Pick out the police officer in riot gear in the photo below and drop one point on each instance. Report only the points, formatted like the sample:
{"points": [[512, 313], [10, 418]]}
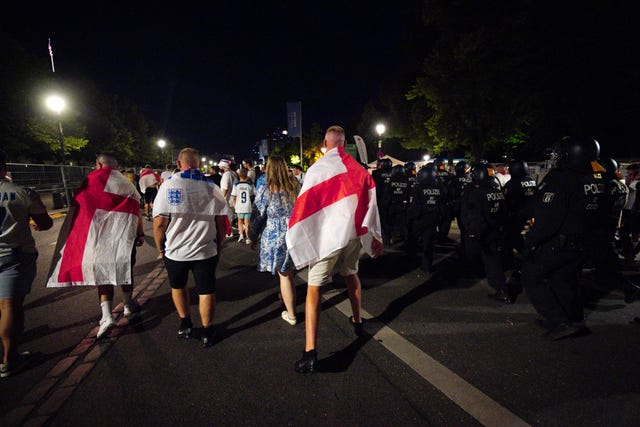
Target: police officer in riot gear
{"points": [[444, 177], [394, 202], [423, 216], [568, 207], [481, 212], [603, 255], [457, 184], [382, 177], [519, 194], [411, 173]]}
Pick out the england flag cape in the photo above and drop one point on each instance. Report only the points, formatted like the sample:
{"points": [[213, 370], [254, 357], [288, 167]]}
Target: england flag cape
{"points": [[337, 203], [98, 235]]}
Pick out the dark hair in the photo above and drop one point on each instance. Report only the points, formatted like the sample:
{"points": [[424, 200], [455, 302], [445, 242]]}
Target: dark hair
{"points": [[297, 167]]}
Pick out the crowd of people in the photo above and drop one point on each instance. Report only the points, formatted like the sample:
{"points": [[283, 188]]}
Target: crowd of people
{"points": [[520, 233]]}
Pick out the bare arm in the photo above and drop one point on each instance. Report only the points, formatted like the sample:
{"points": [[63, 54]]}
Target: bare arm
{"points": [[159, 228], [221, 231]]}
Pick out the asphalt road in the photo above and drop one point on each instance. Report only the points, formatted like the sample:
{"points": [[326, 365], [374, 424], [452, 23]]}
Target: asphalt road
{"points": [[438, 352]]}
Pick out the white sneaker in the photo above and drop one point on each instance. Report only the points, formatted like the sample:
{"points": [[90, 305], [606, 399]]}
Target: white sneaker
{"points": [[289, 320], [248, 242], [105, 326], [240, 239], [130, 310]]}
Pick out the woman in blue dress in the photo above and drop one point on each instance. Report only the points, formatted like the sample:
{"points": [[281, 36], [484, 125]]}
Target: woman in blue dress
{"points": [[275, 200]]}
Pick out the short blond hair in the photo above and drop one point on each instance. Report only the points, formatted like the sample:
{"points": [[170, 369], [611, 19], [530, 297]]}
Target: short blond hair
{"points": [[189, 157]]}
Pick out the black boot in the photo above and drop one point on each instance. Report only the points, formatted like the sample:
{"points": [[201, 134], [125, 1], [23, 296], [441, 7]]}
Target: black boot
{"points": [[308, 364]]}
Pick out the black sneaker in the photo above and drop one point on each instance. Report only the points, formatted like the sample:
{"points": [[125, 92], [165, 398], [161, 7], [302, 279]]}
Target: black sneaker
{"points": [[16, 365], [308, 364], [207, 336], [184, 332], [357, 327]]}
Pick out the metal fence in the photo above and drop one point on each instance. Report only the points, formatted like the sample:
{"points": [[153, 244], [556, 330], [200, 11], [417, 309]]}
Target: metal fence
{"points": [[53, 182]]}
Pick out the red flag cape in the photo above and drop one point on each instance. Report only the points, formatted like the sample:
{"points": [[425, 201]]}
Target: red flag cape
{"points": [[101, 233], [337, 203]]}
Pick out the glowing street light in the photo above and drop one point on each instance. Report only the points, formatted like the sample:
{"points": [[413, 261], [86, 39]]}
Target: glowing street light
{"points": [[426, 157], [161, 144], [56, 103]]}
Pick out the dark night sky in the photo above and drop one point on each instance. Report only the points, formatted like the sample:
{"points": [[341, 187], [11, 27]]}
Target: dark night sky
{"points": [[219, 76]]}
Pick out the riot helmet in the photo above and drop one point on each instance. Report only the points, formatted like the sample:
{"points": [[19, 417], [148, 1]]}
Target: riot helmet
{"points": [[439, 163], [611, 167], [480, 172], [579, 151], [461, 168], [409, 168], [384, 165], [518, 168], [397, 171], [427, 175]]}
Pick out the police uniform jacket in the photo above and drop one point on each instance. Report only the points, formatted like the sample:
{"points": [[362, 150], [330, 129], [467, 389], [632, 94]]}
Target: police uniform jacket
{"points": [[482, 211], [425, 210], [568, 208], [396, 192], [381, 179], [519, 199]]}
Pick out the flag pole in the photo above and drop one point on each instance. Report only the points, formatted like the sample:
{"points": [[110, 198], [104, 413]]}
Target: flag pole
{"points": [[53, 68]]}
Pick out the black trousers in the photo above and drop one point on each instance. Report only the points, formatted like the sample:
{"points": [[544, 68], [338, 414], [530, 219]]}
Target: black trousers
{"points": [[488, 251], [551, 280]]}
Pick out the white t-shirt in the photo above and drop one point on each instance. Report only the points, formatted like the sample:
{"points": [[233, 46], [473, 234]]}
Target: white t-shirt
{"points": [[226, 182], [147, 181], [243, 192], [192, 201], [252, 175], [165, 175]]}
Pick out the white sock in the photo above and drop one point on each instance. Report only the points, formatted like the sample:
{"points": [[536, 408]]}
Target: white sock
{"points": [[126, 298], [106, 309]]}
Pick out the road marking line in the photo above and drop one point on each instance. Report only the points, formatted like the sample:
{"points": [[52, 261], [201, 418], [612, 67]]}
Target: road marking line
{"points": [[477, 404]]}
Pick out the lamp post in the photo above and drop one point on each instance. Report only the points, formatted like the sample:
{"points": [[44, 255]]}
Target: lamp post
{"points": [[162, 143], [57, 104], [380, 128]]}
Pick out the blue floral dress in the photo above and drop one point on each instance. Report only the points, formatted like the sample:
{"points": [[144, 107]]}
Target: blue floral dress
{"points": [[274, 256]]}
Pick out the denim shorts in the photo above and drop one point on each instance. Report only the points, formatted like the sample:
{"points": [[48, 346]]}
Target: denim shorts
{"points": [[17, 272]]}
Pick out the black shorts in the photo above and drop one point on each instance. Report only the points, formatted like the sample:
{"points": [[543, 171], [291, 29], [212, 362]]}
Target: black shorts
{"points": [[204, 274], [150, 194]]}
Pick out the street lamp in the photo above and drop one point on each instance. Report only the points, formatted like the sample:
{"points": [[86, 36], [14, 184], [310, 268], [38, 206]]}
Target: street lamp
{"points": [[57, 104], [162, 143], [380, 128]]}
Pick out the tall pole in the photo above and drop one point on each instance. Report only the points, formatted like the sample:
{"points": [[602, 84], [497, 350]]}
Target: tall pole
{"points": [[63, 167], [61, 136]]}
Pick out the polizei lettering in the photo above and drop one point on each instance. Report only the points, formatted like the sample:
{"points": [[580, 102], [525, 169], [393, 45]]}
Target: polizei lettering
{"points": [[495, 196], [593, 189], [431, 191]]}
